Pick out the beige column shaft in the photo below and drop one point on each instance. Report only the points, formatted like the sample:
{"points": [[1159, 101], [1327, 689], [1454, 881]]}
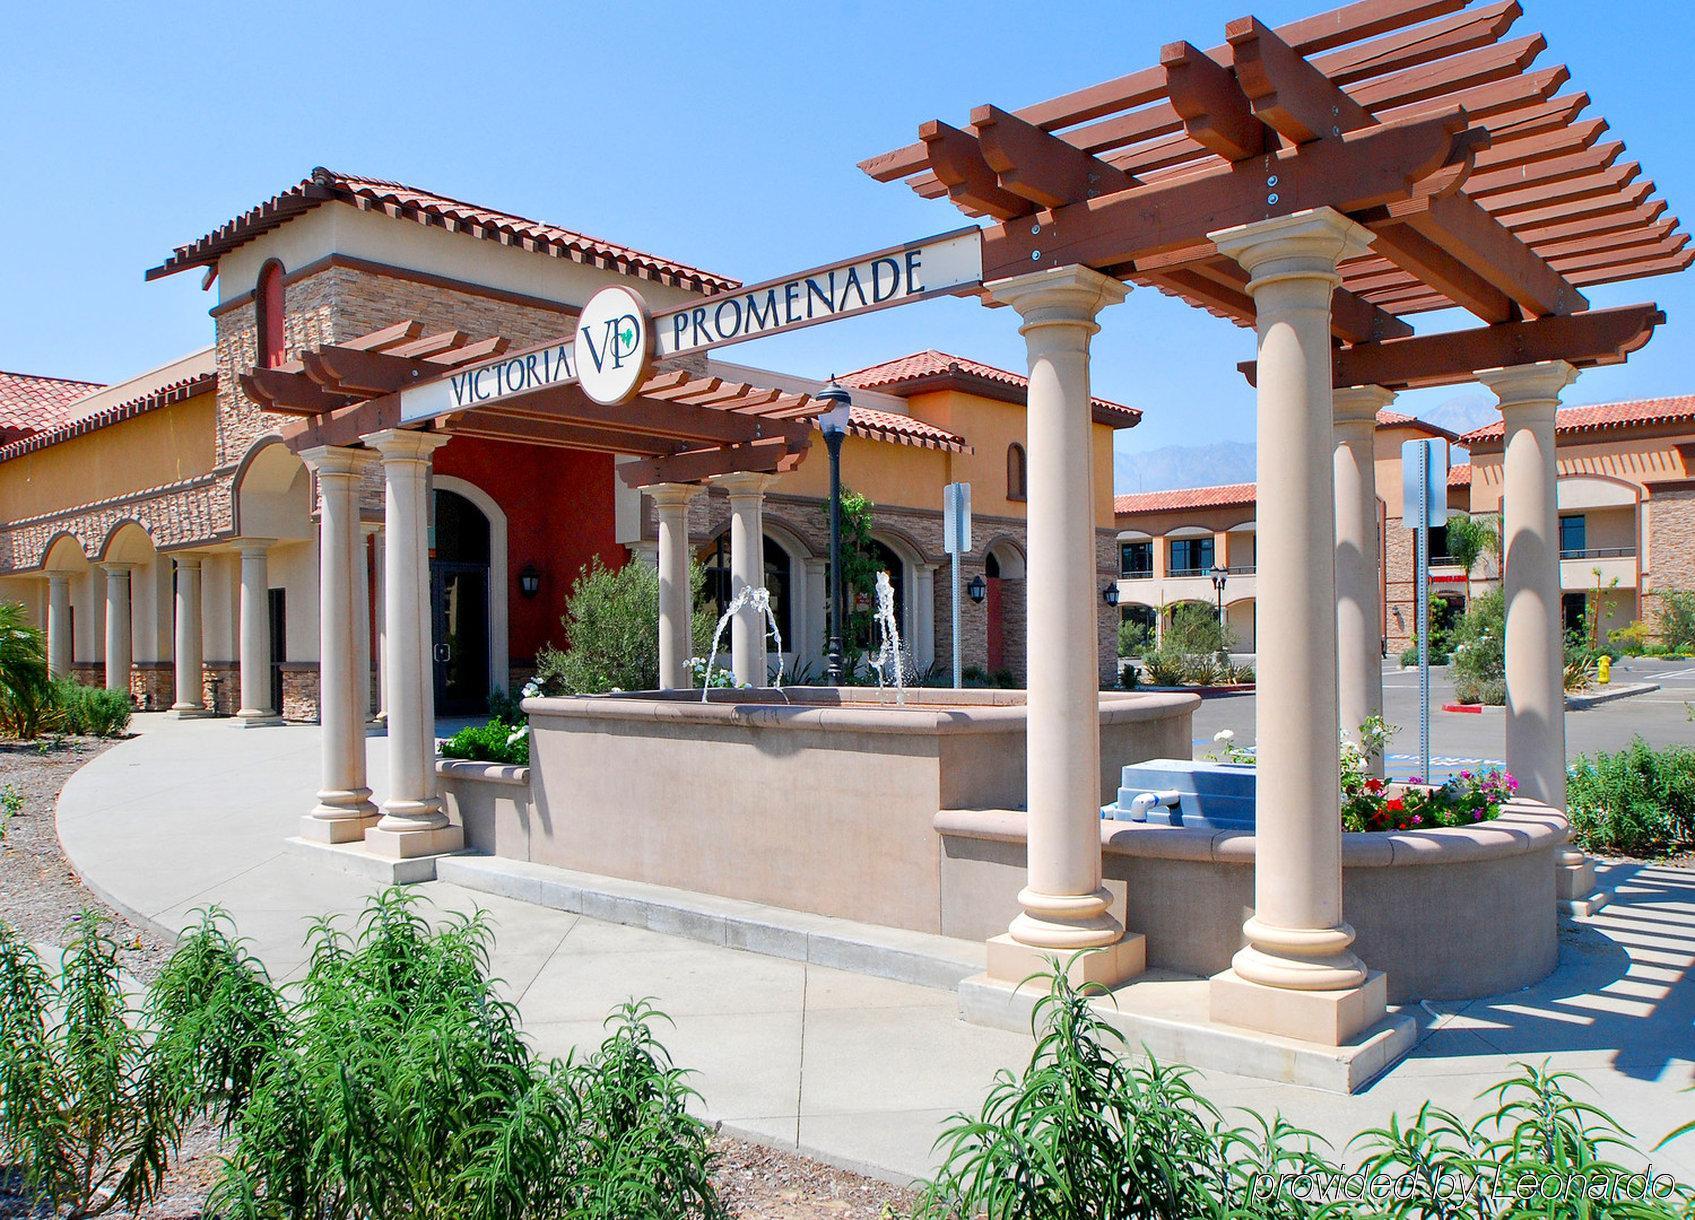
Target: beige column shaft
{"points": [[119, 630], [1297, 937], [363, 649], [747, 571], [1065, 907], [186, 645], [413, 818], [61, 653], [379, 560], [255, 633], [1535, 721], [676, 644], [344, 810], [1359, 591]]}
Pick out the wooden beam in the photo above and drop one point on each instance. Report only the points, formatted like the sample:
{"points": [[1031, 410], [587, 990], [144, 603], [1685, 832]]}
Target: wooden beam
{"points": [[1625, 256], [363, 374], [348, 426], [1510, 146], [1039, 167], [1534, 173], [1438, 268], [1216, 113], [958, 162], [1439, 80], [1464, 31], [1289, 94], [482, 349], [288, 393], [1626, 200], [1632, 218], [429, 345], [1635, 271], [1361, 170], [1221, 284], [387, 337], [764, 456], [1602, 336], [1585, 186]]}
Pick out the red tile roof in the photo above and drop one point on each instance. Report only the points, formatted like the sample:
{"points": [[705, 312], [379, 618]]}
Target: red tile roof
{"points": [[1647, 412], [1395, 419], [1221, 496], [903, 430], [428, 208], [163, 396], [1460, 476], [931, 370], [32, 404]]}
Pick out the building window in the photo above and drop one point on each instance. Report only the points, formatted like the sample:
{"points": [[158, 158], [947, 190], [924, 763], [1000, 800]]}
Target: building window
{"points": [[1439, 546], [1136, 560], [268, 305], [1017, 475], [1191, 556], [1574, 537]]}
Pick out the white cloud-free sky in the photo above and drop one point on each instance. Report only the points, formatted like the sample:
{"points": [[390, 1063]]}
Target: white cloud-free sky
{"points": [[724, 136]]}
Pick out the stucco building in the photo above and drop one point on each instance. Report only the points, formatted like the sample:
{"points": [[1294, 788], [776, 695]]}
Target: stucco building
{"points": [[168, 540]]}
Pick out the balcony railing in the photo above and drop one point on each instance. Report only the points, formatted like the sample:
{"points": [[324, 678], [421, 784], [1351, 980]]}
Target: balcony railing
{"points": [[1141, 574], [1600, 552], [1246, 569]]}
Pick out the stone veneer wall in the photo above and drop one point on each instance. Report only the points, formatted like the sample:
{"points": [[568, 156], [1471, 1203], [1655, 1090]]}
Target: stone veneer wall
{"points": [[227, 699], [1671, 545], [299, 690], [89, 673], [152, 685]]}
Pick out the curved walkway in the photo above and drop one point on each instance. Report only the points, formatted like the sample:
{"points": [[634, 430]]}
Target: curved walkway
{"points": [[856, 1070]]}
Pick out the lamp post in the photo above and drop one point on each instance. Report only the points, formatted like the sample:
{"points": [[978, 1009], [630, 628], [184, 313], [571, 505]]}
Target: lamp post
{"points": [[1219, 577], [834, 424]]}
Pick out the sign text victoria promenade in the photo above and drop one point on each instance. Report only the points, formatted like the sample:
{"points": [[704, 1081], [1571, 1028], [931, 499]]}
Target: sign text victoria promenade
{"points": [[617, 341]]}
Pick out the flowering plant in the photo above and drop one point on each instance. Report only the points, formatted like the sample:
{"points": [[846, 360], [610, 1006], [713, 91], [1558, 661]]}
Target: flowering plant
{"points": [[1464, 800]]}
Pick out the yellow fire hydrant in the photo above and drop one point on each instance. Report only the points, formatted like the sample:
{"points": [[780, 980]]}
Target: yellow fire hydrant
{"points": [[1604, 669]]}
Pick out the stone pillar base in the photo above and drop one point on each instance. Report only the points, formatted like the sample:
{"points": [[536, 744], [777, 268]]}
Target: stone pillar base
{"points": [[1330, 1018], [187, 713], [247, 720], [1575, 892], [315, 829], [1012, 961], [410, 844]]}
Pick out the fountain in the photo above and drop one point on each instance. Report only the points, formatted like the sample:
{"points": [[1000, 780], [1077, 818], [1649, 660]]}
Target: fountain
{"points": [[759, 598], [889, 650]]}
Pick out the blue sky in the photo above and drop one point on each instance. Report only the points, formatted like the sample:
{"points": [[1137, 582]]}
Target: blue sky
{"points": [[729, 142]]}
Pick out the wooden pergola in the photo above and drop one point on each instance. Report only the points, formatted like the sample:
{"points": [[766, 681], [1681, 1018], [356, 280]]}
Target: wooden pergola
{"points": [[683, 427], [1429, 122]]}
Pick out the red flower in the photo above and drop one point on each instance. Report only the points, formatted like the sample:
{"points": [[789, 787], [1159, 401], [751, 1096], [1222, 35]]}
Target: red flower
{"points": [[1374, 785], [1396, 805]]}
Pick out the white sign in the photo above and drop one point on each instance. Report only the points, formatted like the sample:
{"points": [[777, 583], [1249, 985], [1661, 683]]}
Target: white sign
{"points": [[1435, 493], [956, 519], [613, 347], [617, 341]]}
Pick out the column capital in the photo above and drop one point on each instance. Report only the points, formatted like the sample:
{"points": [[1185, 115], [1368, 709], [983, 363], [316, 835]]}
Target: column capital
{"points": [[187, 563], [1059, 295], [335, 459], [57, 579], [406, 445], [115, 568], [743, 484], [254, 547], [1300, 245], [1529, 384], [673, 495], [1361, 403]]}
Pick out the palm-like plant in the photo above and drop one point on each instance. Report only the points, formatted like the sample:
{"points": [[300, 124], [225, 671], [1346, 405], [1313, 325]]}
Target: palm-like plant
{"points": [[23, 672], [1469, 539]]}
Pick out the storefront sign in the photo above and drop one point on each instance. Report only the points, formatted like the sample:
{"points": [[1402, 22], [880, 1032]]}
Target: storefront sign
{"points": [[617, 341]]}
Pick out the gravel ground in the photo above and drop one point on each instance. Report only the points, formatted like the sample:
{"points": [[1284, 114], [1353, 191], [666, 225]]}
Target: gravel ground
{"points": [[40, 894]]}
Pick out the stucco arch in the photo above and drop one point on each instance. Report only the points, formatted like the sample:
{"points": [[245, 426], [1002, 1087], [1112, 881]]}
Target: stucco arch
{"points": [[1009, 555], [1579, 491], [128, 541], [499, 575], [273, 493], [64, 552], [1190, 531]]}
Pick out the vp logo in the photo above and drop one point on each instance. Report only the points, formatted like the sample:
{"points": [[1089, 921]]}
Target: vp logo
{"points": [[613, 346]]}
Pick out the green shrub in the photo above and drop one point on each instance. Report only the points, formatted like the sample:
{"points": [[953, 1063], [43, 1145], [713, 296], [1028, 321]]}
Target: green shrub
{"points": [[1637, 802], [494, 742], [1634, 640], [1134, 639], [612, 631], [506, 708], [1479, 655], [1676, 620], [88, 711]]}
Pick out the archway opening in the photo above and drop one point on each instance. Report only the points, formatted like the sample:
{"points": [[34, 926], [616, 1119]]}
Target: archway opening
{"points": [[459, 604]]}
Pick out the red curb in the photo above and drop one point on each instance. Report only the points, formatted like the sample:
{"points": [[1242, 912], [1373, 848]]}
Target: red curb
{"points": [[1475, 709]]}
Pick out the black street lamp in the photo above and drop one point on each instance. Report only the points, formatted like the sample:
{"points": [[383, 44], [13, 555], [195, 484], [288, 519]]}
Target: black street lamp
{"points": [[834, 424], [1219, 577]]}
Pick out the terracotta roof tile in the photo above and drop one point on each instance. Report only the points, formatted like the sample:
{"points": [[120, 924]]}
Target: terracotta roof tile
{"points": [[1222, 495], [910, 372], [1644, 412], [33, 404], [903, 430], [163, 396], [426, 207], [1460, 476], [1397, 419]]}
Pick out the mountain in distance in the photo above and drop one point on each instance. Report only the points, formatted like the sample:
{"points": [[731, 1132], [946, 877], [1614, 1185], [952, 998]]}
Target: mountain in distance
{"points": [[1463, 412], [1172, 466]]}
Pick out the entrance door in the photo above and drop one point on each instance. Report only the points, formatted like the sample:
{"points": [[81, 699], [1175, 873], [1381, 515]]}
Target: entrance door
{"points": [[277, 604], [459, 600]]}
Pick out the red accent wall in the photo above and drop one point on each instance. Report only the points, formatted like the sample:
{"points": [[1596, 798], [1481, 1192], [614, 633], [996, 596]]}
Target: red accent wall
{"points": [[559, 517]]}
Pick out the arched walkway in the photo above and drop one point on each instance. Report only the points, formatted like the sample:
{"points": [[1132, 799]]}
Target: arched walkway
{"points": [[497, 580]]}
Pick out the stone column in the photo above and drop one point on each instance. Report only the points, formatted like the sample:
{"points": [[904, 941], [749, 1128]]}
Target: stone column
{"points": [[1297, 976], [1529, 397], [379, 560], [1065, 906], [414, 821], [364, 587], [344, 810], [187, 649], [747, 571], [1359, 591], [676, 611], [61, 653], [119, 630], [256, 706]]}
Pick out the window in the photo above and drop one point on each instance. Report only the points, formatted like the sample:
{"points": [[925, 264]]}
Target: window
{"points": [[779, 580], [1017, 479], [1136, 560], [1438, 544], [777, 584], [1574, 537], [268, 306], [1191, 556]]}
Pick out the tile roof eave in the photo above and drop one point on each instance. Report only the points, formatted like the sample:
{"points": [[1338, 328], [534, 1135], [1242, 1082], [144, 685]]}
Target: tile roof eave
{"points": [[164, 396]]}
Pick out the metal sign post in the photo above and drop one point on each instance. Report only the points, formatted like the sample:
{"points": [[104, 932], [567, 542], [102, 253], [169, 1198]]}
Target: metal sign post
{"points": [[1424, 504], [956, 540]]}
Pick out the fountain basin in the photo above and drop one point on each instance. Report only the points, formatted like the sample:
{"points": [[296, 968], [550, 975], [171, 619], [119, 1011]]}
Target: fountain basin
{"points": [[815, 799]]}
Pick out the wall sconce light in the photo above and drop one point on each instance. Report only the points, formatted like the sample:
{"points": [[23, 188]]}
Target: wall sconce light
{"points": [[978, 589], [529, 580], [1110, 594]]}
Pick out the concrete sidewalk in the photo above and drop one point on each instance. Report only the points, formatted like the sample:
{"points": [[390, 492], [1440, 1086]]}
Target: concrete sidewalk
{"points": [[856, 1070]]}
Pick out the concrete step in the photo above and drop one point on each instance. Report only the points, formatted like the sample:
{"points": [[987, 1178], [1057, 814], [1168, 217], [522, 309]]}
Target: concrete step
{"points": [[925, 960]]}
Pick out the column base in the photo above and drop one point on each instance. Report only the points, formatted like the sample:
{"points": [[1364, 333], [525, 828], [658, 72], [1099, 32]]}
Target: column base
{"points": [[1575, 892], [1330, 1018], [255, 720], [188, 713], [410, 844], [341, 829], [1013, 961]]}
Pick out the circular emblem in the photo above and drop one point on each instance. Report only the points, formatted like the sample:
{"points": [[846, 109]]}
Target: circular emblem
{"points": [[613, 349]]}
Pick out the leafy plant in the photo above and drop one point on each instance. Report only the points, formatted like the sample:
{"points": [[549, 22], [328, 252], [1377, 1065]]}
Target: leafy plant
{"points": [[494, 742], [1676, 619], [89, 711], [1480, 656], [1134, 638], [24, 688], [612, 627], [1639, 801], [1468, 540]]}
